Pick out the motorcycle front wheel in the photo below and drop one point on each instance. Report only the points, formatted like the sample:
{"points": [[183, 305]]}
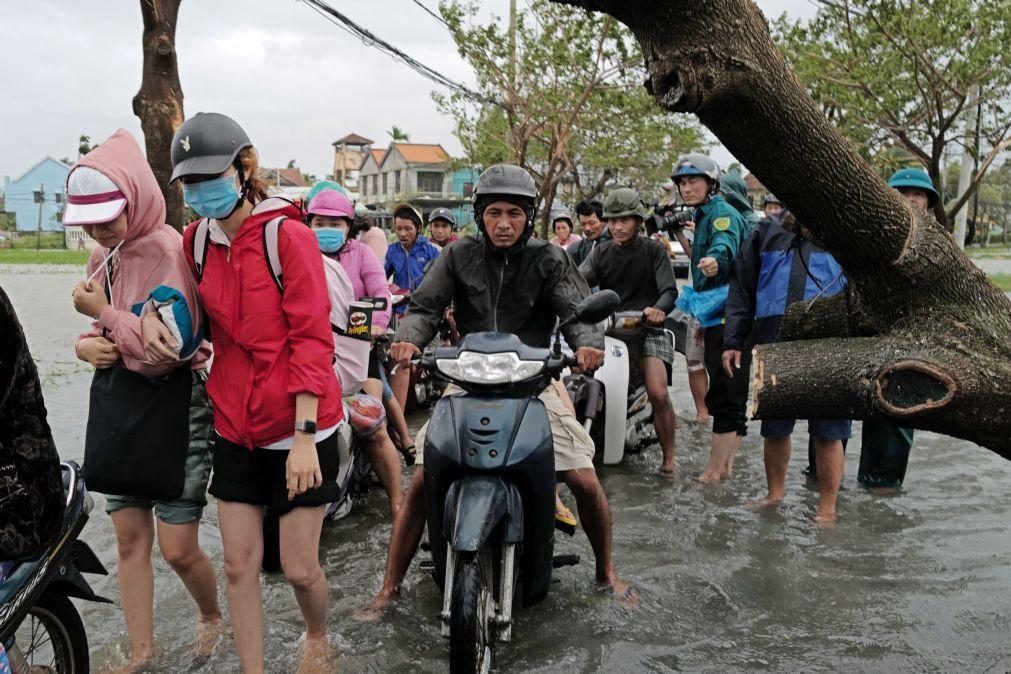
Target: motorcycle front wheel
{"points": [[471, 612], [52, 638]]}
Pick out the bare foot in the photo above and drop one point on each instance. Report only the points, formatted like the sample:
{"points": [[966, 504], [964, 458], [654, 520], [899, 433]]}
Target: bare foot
{"points": [[826, 519], [315, 657], [209, 634], [375, 609], [137, 663], [709, 478], [623, 592], [769, 501], [669, 472]]}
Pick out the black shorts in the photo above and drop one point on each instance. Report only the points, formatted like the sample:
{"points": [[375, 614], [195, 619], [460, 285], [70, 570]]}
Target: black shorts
{"points": [[257, 476]]}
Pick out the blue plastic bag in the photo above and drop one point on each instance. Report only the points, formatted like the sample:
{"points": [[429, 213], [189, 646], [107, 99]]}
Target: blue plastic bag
{"points": [[706, 306]]}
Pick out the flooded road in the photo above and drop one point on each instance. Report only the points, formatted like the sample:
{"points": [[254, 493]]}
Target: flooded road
{"points": [[920, 581]]}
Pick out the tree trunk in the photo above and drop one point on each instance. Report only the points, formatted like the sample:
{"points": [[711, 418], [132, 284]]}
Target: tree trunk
{"points": [[159, 103], [936, 346]]}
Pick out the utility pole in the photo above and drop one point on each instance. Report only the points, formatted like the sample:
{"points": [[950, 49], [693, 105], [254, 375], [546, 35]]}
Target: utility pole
{"points": [[40, 196], [965, 174], [511, 96]]}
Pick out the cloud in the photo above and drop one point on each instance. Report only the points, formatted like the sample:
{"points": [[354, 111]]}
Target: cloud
{"points": [[294, 80]]}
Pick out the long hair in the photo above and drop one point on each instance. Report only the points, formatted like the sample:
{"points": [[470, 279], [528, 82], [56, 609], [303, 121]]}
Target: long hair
{"points": [[254, 189]]}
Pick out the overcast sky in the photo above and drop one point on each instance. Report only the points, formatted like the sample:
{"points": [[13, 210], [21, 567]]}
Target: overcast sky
{"points": [[292, 79]]}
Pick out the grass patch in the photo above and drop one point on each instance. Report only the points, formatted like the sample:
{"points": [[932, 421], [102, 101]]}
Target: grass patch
{"points": [[32, 256], [45, 240], [989, 253], [1002, 281]]}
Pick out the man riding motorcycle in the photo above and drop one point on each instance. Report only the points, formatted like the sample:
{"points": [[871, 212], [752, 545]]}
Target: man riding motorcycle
{"points": [[506, 282]]}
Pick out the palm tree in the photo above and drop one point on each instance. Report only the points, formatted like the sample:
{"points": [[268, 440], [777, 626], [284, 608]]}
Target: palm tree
{"points": [[398, 135], [84, 145]]}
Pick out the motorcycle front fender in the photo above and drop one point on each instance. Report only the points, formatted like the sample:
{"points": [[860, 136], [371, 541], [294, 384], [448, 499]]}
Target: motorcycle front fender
{"points": [[69, 579], [474, 507]]}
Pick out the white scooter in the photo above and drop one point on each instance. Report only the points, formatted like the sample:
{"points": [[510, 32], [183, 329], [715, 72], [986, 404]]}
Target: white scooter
{"points": [[619, 420]]}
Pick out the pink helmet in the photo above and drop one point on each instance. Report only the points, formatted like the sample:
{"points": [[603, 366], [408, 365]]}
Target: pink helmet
{"points": [[332, 204]]}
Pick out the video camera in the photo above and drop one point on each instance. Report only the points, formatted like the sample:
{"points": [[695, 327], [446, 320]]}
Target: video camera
{"points": [[668, 219]]}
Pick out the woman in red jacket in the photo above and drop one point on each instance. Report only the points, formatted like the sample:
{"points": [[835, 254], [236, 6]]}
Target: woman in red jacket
{"points": [[277, 402]]}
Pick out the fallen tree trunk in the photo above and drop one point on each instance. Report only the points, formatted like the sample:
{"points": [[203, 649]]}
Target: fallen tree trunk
{"points": [[159, 103], [935, 351]]}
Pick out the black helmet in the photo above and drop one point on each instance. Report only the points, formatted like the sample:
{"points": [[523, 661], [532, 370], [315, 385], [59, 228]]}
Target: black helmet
{"points": [[443, 213], [510, 183], [771, 198], [206, 145]]}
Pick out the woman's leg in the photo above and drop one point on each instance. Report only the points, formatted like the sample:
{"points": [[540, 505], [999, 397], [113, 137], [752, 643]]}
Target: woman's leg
{"points": [[241, 527], [181, 549], [300, 532], [383, 456], [134, 540]]}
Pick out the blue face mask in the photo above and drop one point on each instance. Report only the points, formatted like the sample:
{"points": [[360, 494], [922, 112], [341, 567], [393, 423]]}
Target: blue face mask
{"points": [[330, 239], [215, 198]]}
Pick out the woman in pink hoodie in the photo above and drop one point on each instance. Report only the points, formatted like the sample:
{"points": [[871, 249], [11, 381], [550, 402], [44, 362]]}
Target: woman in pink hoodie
{"points": [[139, 268], [329, 214]]}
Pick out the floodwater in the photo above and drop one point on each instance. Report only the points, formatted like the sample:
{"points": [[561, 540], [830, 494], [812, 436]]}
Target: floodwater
{"points": [[919, 581]]}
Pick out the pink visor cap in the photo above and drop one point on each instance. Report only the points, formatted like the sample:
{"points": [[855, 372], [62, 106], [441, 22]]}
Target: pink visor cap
{"points": [[331, 204], [91, 198]]}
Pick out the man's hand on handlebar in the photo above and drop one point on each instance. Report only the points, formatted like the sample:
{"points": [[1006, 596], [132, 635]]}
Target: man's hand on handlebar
{"points": [[402, 352], [589, 359], [654, 316]]}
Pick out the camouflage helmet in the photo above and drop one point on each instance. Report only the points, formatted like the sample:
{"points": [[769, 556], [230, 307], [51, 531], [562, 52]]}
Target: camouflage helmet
{"points": [[623, 202]]}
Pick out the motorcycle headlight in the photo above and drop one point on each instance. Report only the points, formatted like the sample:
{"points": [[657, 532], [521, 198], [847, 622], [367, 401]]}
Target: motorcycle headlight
{"points": [[488, 368]]}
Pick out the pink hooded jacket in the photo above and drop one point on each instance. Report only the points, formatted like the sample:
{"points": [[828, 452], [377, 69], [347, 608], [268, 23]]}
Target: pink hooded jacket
{"points": [[149, 270]]}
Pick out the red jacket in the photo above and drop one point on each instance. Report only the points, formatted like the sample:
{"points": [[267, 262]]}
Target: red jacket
{"points": [[267, 346]]}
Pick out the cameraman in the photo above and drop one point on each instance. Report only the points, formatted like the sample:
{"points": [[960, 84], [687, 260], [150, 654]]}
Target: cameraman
{"points": [[719, 233]]}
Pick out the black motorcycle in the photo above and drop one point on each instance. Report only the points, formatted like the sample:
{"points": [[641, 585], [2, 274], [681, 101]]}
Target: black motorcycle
{"points": [[39, 625], [490, 483]]}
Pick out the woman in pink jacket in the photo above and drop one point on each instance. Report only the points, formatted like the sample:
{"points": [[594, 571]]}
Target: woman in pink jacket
{"points": [[330, 214], [139, 268]]}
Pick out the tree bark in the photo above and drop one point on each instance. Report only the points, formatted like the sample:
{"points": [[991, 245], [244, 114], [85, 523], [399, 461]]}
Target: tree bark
{"points": [[159, 103], [939, 354]]}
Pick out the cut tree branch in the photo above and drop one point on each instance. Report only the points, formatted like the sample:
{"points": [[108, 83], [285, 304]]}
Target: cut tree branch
{"points": [[941, 357]]}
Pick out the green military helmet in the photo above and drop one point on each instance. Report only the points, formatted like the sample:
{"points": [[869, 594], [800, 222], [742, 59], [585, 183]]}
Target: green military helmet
{"points": [[915, 178], [623, 202]]}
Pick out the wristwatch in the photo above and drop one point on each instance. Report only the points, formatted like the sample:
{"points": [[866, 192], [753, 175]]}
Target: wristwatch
{"points": [[306, 427]]}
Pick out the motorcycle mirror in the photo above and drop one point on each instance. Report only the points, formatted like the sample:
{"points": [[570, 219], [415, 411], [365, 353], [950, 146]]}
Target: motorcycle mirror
{"points": [[597, 306]]}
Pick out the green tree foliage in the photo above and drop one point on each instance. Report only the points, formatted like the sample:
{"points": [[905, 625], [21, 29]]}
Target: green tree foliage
{"points": [[398, 135], [83, 146], [895, 75], [570, 107]]}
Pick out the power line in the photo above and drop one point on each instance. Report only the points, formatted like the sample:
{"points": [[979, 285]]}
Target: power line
{"points": [[371, 40], [431, 13]]}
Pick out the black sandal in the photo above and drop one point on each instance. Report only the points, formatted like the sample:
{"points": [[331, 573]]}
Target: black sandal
{"points": [[410, 454]]}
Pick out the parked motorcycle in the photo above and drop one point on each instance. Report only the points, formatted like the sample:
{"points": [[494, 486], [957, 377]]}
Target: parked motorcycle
{"points": [[490, 483], [617, 415], [39, 626]]}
